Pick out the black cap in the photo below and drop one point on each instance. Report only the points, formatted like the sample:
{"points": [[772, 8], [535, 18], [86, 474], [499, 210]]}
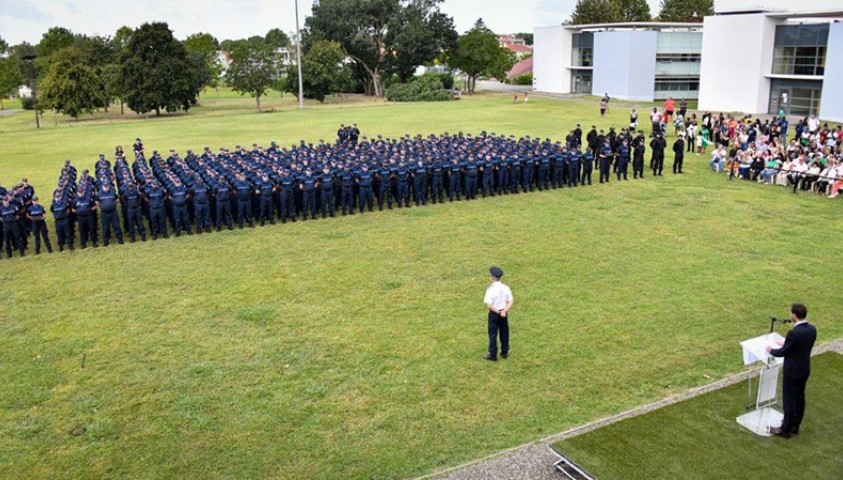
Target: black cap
{"points": [[496, 272]]}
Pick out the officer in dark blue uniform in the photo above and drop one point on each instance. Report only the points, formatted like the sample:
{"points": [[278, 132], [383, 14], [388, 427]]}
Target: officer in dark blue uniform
{"points": [[605, 159], [623, 159], [454, 173], [222, 204], [587, 166], [366, 195], [9, 214], [83, 208], [471, 175], [527, 170], [288, 199], [544, 171], [574, 159], [181, 218], [437, 184], [347, 196], [156, 198], [307, 184], [107, 202], [559, 168], [420, 183], [243, 191], [134, 212], [488, 182], [61, 213], [385, 183], [266, 190], [326, 192], [514, 173]]}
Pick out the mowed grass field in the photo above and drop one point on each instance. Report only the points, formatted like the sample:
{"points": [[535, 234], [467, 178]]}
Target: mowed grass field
{"points": [[351, 347]]}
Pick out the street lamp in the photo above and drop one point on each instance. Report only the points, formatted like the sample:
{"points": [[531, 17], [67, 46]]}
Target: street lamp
{"points": [[298, 57], [29, 58]]}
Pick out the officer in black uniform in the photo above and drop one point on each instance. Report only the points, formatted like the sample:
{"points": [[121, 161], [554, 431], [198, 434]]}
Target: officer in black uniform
{"points": [[658, 144], [307, 185], [266, 190], [61, 213], [134, 212], [288, 199], [437, 184], [107, 202], [385, 178], [243, 192], [366, 195], [471, 174], [420, 183], [605, 160], [181, 218], [638, 148], [347, 194], [623, 159], [454, 173], [402, 174], [9, 214], [326, 192], [678, 153], [83, 208], [156, 198]]}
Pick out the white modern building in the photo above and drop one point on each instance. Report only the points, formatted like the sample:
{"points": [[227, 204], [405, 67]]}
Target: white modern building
{"points": [[766, 56], [632, 61]]}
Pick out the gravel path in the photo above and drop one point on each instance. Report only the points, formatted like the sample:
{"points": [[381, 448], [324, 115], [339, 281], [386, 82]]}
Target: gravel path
{"points": [[5, 113], [535, 461]]}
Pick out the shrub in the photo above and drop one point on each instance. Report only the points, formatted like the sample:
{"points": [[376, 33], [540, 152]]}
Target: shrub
{"points": [[28, 103], [446, 78], [523, 79], [423, 89]]}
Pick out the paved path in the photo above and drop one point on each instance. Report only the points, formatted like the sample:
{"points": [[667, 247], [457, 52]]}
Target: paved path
{"points": [[6, 113], [534, 461]]}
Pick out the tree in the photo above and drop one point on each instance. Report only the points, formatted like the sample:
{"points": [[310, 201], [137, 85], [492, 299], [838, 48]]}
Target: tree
{"points": [[685, 10], [54, 40], [595, 11], [381, 36], [633, 10], [157, 72], [478, 53], [418, 35], [527, 37], [255, 67], [70, 86], [113, 83], [98, 53], [203, 47], [322, 70], [277, 38], [10, 78]]}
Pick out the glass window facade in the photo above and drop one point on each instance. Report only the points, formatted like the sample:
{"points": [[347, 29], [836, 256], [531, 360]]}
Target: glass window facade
{"points": [[581, 81], [795, 97], [582, 53], [678, 60], [800, 49]]}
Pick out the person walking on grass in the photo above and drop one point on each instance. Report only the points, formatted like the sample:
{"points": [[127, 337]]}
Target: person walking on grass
{"points": [[498, 300]]}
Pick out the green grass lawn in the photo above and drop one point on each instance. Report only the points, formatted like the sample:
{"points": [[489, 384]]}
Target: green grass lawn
{"points": [[699, 438], [351, 348]]}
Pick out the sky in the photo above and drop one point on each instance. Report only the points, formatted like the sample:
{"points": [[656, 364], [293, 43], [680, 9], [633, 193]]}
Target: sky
{"points": [[27, 20]]}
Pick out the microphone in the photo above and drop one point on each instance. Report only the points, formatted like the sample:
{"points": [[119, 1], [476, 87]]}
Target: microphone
{"points": [[781, 320]]}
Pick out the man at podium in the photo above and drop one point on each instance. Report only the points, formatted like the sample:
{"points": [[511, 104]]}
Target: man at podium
{"points": [[796, 351]]}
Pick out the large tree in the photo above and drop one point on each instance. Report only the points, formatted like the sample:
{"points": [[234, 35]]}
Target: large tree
{"points": [[255, 67], [203, 47], [381, 36], [157, 72], [685, 10], [478, 53], [70, 86], [277, 38], [10, 75], [633, 10], [595, 11], [323, 71]]}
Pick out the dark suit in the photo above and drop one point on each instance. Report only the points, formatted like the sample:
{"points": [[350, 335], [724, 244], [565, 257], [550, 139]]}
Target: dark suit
{"points": [[797, 368]]}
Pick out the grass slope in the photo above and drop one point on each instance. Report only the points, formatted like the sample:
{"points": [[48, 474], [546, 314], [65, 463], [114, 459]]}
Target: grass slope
{"points": [[351, 348], [699, 438]]}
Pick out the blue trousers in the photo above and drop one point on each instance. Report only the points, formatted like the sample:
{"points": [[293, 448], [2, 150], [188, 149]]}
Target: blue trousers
{"points": [[498, 326]]}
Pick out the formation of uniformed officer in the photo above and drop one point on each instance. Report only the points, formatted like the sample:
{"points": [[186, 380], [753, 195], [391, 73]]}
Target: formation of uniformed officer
{"points": [[213, 189]]}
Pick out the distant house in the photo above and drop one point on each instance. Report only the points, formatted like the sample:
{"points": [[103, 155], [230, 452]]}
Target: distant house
{"points": [[24, 91], [515, 45], [521, 68]]}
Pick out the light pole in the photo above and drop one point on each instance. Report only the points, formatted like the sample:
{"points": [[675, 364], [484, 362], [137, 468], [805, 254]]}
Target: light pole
{"points": [[298, 57], [30, 61]]}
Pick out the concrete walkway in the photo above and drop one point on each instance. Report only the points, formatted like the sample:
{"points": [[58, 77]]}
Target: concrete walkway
{"points": [[534, 461], [6, 113]]}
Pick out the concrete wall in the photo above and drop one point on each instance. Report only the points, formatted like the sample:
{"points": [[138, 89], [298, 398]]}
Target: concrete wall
{"points": [[831, 104], [724, 6], [551, 57], [737, 52], [625, 64]]}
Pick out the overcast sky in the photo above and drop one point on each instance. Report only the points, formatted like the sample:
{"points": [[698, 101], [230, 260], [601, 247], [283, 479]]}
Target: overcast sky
{"points": [[27, 20]]}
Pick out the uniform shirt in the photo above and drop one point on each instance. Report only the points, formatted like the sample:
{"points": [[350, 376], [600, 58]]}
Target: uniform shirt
{"points": [[9, 214], [107, 200], [36, 211], [179, 196], [59, 209], [497, 295], [244, 190]]}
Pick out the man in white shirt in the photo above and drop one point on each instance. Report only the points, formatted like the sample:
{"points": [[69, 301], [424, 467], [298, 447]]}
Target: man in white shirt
{"points": [[498, 301]]}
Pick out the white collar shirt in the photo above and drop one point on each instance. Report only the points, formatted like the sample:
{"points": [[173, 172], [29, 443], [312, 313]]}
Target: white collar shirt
{"points": [[497, 295]]}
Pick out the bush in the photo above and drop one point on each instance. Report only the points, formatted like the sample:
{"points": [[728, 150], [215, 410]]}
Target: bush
{"points": [[446, 78], [28, 103], [523, 79], [423, 89]]}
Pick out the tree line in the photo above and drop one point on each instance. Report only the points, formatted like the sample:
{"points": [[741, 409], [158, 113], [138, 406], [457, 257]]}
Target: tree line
{"points": [[613, 11], [347, 45]]}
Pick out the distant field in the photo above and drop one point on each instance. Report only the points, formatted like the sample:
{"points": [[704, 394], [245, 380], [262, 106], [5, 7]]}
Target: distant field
{"points": [[351, 347]]}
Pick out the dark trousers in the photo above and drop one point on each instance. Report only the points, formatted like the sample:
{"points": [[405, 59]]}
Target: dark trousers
{"points": [[266, 212], [498, 326], [419, 192], [403, 194], [385, 195], [470, 188], [514, 179], [793, 396], [64, 233], [658, 164], [573, 174], [288, 205], [202, 213], [86, 229], [181, 220], [244, 212], [605, 169], [366, 198], [677, 164], [11, 236], [158, 222], [437, 193], [453, 186], [134, 219], [586, 174], [622, 167], [488, 185], [223, 214], [39, 230], [110, 222], [347, 200], [308, 207]]}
